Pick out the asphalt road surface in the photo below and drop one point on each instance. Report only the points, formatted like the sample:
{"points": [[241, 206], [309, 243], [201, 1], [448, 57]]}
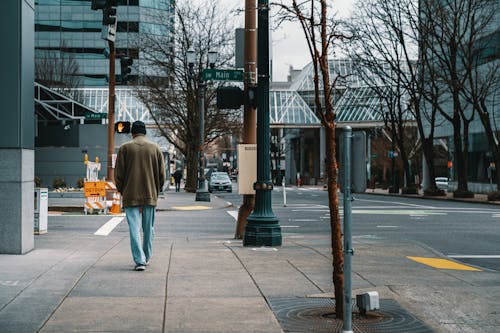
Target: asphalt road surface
{"points": [[466, 232]]}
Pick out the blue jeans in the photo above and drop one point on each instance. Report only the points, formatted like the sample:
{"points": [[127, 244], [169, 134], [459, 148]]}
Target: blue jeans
{"points": [[141, 251]]}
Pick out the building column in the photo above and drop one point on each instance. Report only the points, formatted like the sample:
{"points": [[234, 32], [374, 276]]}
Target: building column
{"points": [[17, 127]]}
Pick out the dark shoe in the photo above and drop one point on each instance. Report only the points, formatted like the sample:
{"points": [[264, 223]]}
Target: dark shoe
{"points": [[140, 267]]}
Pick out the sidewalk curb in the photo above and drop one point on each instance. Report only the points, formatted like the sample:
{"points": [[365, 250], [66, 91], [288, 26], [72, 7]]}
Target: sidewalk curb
{"points": [[484, 202]]}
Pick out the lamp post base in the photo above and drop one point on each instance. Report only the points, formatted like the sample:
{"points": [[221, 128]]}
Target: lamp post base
{"points": [[262, 234], [202, 195]]}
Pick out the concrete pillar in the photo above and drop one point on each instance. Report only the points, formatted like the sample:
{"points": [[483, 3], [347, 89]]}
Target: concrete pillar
{"points": [[17, 126]]}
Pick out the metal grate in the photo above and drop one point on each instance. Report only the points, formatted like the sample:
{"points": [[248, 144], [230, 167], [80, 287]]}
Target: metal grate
{"points": [[316, 315]]}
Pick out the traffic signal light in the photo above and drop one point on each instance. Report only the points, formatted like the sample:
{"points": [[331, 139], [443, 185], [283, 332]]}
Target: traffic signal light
{"points": [[125, 63], [122, 127], [109, 13], [229, 97], [98, 4]]}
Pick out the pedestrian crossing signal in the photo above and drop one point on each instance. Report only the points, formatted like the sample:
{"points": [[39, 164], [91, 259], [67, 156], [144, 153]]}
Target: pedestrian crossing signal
{"points": [[122, 127]]}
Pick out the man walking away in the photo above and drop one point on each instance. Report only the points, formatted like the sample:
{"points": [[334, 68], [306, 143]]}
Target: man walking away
{"points": [[177, 179], [139, 177]]}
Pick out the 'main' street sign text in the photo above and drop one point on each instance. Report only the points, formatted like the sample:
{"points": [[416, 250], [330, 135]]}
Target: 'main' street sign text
{"points": [[222, 75]]}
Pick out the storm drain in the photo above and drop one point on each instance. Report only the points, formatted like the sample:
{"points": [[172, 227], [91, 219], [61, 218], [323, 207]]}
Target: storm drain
{"points": [[316, 315]]}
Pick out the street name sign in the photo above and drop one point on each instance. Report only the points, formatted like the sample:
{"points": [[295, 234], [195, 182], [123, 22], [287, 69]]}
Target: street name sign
{"points": [[95, 116], [222, 75]]}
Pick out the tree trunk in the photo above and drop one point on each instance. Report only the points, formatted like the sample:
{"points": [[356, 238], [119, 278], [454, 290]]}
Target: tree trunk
{"points": [[192, 169], [336, 234], [428, 150], [459, 161], [245, 210]]}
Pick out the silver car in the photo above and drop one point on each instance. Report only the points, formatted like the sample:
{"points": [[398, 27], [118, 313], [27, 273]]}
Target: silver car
{"points": [[220, 181]]}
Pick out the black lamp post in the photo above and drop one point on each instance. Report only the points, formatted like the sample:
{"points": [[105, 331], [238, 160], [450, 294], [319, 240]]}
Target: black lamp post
{"points": [[202, 193], [262, 227]]}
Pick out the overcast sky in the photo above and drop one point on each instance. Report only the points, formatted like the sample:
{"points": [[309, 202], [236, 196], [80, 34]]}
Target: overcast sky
{"points": [[289, 46]]}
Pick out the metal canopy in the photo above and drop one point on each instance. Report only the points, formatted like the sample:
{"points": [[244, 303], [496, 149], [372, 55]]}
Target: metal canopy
{"points": [[52, 105], [288, 109]]}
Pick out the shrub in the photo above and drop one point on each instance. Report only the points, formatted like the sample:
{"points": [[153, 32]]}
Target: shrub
{"points": [[38, 182], [79, 182], [59, 182]]}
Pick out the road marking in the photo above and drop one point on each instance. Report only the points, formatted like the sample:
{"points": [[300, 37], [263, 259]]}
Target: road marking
{"points": [[443, 264], [233, 213], [109, 226], [303, 220], [397, 212], [191, 207], [475, 256], [388, 226], [290, 226]]}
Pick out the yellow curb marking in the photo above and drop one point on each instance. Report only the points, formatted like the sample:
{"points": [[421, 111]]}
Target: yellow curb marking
{"points": [[443, 264], [191, 207]]}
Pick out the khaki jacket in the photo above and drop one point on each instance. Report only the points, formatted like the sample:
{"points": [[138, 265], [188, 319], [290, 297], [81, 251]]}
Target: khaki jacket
{"points": [[139, 172]]}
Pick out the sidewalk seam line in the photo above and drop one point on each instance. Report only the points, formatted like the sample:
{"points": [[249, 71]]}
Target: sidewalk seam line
{"points": [[75, 284], [256, 285], [303, 274], [166, 288], [35, 279]]}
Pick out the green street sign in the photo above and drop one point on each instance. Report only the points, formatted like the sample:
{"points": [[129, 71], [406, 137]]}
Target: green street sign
{"points": [[95, 116], [222, 75]]}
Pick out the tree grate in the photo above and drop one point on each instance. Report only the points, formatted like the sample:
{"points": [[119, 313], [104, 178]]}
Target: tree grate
{"points": [[317, 315]]}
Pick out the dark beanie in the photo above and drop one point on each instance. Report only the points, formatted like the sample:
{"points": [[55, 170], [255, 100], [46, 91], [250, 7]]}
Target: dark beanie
{"points": [[138, 127]]}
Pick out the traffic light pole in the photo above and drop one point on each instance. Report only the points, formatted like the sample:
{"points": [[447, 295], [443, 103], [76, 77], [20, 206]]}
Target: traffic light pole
{"points": [[111, 111], [263, 228]]}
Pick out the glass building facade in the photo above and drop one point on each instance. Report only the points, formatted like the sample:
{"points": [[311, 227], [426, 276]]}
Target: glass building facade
{"points": [[70, 30]]}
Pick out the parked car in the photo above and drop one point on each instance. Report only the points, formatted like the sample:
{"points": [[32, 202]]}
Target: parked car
{"points": [[220, 181], [442, 183]]}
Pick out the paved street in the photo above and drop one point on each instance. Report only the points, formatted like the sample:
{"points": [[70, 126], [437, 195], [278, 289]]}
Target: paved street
{"points": [[80, 277]]}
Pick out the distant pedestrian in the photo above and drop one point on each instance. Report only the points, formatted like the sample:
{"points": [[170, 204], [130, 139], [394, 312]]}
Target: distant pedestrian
{"points": [[139, 177], [177, 178]]}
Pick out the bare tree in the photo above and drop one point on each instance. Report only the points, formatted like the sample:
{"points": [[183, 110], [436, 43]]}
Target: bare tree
{"points": [[387, 39], [482, 84], [58, 69], [321, 31], [454, 29], [171, 86]]}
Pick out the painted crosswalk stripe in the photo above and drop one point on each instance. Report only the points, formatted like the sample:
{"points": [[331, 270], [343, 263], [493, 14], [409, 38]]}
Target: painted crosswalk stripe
{"points": [[443, 264], [475, 256], [109, 226], [233, 213]]}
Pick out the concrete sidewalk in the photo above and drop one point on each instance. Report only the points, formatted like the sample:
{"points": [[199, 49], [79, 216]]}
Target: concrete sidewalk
{"points": [[201, 280]]}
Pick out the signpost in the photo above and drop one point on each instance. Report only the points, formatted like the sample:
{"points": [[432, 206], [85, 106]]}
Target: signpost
{"points": [[222, 74]]}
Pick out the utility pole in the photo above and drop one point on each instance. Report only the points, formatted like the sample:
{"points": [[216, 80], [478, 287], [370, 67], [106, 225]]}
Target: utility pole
{"points": [[108, 33], [249, 113], [111, 112], [263, 228]]}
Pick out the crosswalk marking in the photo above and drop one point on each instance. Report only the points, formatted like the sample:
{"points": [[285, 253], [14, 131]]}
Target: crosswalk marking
{"points": [[233, 213], [443, 264], [109, 226]]}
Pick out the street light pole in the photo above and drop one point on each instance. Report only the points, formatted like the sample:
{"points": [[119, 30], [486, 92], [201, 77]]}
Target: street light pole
{"points": [[263, 228], [202, 192]]}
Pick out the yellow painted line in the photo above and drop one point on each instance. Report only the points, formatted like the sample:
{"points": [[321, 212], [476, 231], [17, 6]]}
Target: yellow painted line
{"points": [[443, 264], [191, 207]]}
